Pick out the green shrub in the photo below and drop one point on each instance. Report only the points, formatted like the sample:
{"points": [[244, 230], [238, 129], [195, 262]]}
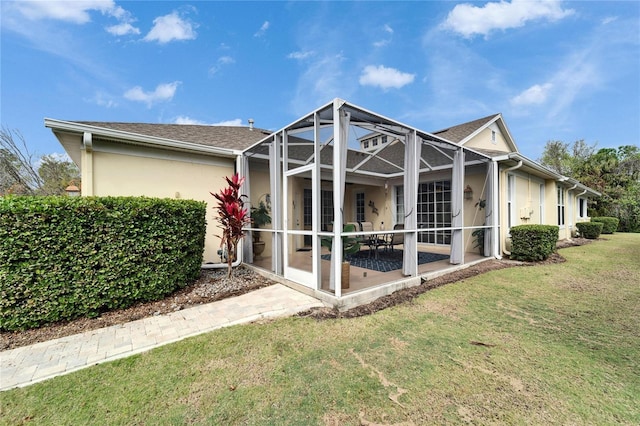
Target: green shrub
{"points": [[590, 230], [62, 257], [533, 242], [610, 224]]}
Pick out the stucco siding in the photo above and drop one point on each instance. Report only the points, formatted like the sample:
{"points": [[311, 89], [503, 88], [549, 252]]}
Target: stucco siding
{"points": [[126, 175], [473, 214], [483, 140]]}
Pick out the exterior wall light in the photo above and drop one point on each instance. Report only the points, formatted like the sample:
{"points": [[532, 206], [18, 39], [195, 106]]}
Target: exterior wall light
{"points": [[468, 193], [72, 191]]}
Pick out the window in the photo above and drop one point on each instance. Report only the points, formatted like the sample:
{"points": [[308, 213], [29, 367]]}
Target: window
{"points": [[374, 141], [493, 136], [365, 144], [399, 204], [307, 213], [384, 139], [582, 206], [360, 207], [326, 213], [560, 206], [434, 211]]}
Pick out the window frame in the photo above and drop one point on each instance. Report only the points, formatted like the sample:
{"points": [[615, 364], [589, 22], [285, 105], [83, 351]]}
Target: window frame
{"points": [[561, 206]]}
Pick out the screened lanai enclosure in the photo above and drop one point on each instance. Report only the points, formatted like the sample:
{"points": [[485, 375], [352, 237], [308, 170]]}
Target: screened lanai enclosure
{"points": [[345, 218]]}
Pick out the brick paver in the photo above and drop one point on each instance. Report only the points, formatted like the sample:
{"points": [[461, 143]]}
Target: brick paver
{"points": [[35, 363]]}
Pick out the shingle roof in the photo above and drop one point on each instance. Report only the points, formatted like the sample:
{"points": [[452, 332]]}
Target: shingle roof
{"points": [[230, 137], [459, 132]]}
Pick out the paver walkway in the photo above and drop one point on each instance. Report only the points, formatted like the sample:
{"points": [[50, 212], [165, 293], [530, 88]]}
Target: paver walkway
{"points": [[31, 364]]}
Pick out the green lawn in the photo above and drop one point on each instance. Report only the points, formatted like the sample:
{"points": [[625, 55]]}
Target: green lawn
{"points": [[567, 351]]}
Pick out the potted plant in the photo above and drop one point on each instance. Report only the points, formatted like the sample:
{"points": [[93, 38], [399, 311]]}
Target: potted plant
{"points": [[350, 245], [478, 234], [259, 217]]}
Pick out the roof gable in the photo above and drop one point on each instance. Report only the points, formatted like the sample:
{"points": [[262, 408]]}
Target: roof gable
{"points": [[466, 132]]}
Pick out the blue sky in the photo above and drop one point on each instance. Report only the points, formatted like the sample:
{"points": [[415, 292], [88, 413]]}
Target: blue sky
{"points": [[555, 70]]}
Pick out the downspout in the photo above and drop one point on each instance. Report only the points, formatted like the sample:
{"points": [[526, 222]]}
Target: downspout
{"points": [[495, 209], [86, 164], [517, 166], [240, 249], [572, 210]]}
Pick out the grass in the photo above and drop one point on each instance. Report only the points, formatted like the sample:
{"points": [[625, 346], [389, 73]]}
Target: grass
{"points": [[561, 345]]}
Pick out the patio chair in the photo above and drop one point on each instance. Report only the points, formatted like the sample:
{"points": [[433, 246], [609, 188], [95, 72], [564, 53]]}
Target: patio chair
{"points": [[396, 239], [349, 244]]}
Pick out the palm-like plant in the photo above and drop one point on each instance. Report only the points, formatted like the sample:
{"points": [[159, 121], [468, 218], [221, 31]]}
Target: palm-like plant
{"points": [[232, 217], [350, 245], [260, 216]]}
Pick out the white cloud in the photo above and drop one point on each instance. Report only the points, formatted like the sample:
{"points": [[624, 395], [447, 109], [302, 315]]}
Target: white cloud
{"points": [[263, 29], [389, 31], [223, 60], [122, 29], [182, 119], [322, 79], [609, 19], [171, 27], [235, 123], [188, 120], [384, 77], [469, 20], [76, 12], [104, 100], [163, 92], [300, 55], [536, 94]]}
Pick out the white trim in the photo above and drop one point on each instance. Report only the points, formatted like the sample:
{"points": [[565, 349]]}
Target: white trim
{"points": [[136, 138]]}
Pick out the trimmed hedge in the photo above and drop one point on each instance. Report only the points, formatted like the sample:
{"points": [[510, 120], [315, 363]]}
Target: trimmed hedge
{"points": [[533, 242], [590, 230], [62, 257], [610, 223]]}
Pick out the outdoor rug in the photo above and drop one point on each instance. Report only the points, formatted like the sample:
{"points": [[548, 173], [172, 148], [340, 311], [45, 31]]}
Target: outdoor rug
{"points": [[387, 260]]}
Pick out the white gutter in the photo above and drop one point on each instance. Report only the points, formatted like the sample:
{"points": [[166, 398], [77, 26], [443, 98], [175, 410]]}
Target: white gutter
{"points": [[517, 166], [138, 138]]}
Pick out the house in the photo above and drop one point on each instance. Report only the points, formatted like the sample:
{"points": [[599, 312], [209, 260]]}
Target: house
{"points": [[432, 194], [156, 160]]}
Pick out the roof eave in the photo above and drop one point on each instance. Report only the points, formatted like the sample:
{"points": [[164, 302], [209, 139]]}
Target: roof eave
{"points": [[139, 139]]}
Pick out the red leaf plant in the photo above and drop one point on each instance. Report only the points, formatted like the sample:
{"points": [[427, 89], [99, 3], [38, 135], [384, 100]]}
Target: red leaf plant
{"points": [[232, 217]]}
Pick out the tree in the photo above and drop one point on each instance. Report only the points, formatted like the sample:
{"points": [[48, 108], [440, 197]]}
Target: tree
{"points": [[556, 157], [21, 173], [57, 174], [613, 172], [565, 158], [17, 172]]}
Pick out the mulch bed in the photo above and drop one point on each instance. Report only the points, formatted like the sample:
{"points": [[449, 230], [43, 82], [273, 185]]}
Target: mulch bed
{"points": [[213, 285]]}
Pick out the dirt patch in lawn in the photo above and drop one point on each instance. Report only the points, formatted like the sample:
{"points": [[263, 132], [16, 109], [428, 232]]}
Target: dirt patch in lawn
{"points": [[213, 285]]}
